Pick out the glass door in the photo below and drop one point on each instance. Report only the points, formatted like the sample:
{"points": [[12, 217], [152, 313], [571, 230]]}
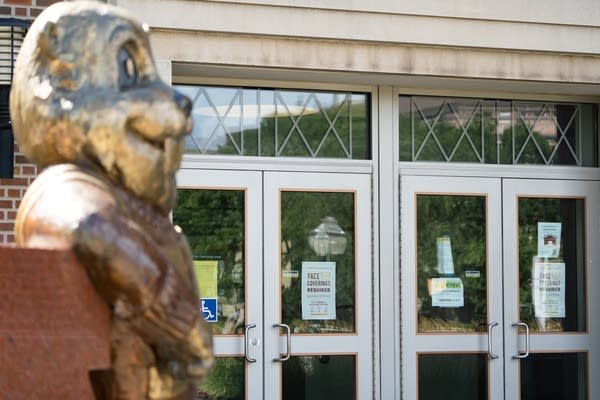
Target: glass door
{"points": [[551, 297], [497, 286], [284, 261], [451, 288], [220, 213], [318, 340]]}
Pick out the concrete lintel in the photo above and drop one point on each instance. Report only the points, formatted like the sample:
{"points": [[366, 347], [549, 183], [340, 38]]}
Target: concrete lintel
{"points": [[461, 29], [253, 51]]}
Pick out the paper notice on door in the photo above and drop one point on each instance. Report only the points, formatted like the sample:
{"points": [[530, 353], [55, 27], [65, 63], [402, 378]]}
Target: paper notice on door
{"points": [[445, 264], [318, 290], [549, 289], [549, 239], [447, 292], [206, 276]]}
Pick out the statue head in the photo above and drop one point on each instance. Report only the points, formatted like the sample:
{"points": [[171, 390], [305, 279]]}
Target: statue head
{"points": [[86, 91]]}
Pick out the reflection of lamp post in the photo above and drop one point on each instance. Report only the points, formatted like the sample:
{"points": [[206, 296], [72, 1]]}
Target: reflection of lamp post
{"points": [[328, 238]]}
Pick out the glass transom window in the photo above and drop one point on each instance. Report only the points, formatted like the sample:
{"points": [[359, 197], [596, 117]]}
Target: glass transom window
{"points": [[278, 122], [497, 131]]}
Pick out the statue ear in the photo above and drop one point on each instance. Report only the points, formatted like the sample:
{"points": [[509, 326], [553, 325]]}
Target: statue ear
{"points": [[62, 73], [48, 40]]}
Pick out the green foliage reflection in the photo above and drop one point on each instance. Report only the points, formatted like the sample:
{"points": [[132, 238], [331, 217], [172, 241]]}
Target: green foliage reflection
{"points": [[496, 131], [213, 222], [462, 218], [226, 381], [301, 213], [569, 212]]}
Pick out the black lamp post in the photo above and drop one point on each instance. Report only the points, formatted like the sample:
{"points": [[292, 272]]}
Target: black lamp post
{"points": [[12, 33]]}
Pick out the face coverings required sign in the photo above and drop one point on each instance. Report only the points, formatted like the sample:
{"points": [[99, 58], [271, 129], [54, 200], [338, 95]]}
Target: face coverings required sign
{"points": [[548, 282], [318, 290]]}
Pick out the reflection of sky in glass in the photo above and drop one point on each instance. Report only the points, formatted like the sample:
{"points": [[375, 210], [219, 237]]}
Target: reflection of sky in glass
{"points": [[221, 112]]}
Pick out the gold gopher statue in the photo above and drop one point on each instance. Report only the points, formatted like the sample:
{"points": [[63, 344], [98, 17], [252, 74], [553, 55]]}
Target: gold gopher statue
{"points": [[88, 107]]}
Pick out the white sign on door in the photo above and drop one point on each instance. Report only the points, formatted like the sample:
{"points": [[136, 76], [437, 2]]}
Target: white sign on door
{"points": [[447, 292], [549, 239], [549, 289], [318, 290]]}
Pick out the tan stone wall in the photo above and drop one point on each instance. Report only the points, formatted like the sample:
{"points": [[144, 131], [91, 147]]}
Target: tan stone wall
{"points": [[388, 42]]}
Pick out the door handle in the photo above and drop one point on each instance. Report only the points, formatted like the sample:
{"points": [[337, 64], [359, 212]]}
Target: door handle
{"points": [[246, 330], [526, 354], [288, 335], [490, 345]]}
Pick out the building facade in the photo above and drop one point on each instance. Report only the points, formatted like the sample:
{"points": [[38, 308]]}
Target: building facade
{"points": [[387, 199]]}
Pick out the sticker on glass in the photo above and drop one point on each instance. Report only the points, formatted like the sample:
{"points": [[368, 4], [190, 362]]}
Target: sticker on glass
{"points": [[206, 272], [549, 239], [445, 264], [447, 292], [318, 290], [548, 289]]}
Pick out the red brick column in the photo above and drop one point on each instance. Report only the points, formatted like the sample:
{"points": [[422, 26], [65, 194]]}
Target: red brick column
{"points": [[54, 327]]}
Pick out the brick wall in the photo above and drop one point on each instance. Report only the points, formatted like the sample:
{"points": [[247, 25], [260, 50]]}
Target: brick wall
{"points": [[11, 193], [12, 190], [26, 9]]}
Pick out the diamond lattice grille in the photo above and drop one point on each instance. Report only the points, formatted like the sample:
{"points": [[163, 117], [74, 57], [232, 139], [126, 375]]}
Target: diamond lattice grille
{"points": [[497, 131], [278, 123]]}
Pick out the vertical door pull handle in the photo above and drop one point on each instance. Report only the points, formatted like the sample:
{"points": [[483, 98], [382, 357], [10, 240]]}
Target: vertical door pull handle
{"points": [[246, 330], [526, 354], [288, 335], [490, 341]]}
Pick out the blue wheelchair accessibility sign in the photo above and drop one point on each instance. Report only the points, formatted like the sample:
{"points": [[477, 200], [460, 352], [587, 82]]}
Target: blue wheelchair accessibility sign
{"points": [[209, 309]]}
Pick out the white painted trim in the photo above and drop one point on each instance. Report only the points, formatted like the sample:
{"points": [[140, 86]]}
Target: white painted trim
{"points": [[165, 70], [194, 161], [495, 94], [376, 260], [504, 171], [386, 213], [262, 83]]}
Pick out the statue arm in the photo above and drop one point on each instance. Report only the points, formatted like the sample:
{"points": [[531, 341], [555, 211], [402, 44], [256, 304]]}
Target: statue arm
{"points": [[126, 268]]}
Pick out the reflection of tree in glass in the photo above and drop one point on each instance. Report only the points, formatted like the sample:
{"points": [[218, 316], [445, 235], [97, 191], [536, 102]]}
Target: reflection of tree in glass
{"points": [[462, 218], [213, 222], [568, 213], [491, 127], [314, 127], [301, 213]]}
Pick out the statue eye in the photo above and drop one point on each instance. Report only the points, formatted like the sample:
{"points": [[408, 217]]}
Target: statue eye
{"points": [[128, 73]]}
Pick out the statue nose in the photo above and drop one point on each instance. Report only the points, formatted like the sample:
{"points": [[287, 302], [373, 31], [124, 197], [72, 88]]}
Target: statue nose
{"points": [[183, 102]]}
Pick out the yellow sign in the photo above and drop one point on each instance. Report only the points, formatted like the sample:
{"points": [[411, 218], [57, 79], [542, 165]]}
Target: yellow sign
{"points": [[206, 276]]}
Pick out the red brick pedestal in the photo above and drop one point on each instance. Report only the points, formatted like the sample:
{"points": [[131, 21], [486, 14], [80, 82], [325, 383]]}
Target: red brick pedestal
{"points": [[54, 328]]}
